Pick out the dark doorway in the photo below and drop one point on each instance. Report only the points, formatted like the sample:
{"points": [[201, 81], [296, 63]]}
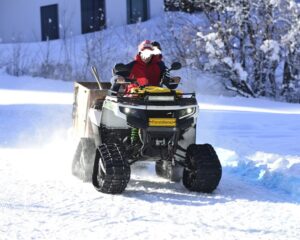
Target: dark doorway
{"points": [[92, 15], [49, 22], [137, 10]]}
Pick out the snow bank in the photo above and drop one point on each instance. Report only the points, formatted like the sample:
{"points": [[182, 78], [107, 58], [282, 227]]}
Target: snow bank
{"points": [[33, 84], [72, 58], [271, 170], [255, 139]]}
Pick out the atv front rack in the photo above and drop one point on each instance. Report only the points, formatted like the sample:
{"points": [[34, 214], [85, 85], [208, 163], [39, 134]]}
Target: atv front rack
{"points": [[161, 99]]}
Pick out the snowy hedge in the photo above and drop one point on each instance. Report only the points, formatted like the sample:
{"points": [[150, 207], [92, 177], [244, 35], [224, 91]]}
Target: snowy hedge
{"points": [[253, 43]]}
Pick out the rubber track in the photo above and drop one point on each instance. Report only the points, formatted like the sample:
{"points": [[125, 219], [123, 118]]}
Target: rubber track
{"points": [[205, 171], [117, 169]]}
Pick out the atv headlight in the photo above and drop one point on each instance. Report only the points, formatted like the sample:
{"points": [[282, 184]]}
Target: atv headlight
{"points": [[128, 111], [186, 112], [125, 110]]}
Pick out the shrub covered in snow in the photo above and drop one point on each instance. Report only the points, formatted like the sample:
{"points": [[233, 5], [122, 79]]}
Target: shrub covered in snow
{"points": [[258, 37]]}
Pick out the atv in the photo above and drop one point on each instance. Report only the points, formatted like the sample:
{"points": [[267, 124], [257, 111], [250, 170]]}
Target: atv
{"points": [[153, 123]]}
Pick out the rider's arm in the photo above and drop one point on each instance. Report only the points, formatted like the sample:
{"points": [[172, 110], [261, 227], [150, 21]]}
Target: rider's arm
{"points": [[126, 72], [117, 75]]}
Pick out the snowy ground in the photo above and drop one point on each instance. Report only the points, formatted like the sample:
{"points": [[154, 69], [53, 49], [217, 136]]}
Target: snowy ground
{"points": [[258, 197]]}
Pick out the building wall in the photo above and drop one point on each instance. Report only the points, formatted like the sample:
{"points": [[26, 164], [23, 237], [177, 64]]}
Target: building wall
{"points": [[156, 7], [116, 13], [20, 19]]}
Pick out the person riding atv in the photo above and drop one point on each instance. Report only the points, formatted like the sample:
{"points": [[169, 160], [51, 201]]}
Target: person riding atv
{"points": [[147, 69]]}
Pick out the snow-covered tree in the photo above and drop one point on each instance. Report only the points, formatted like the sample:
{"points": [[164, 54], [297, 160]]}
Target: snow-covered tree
{"points": [[249, 40]]}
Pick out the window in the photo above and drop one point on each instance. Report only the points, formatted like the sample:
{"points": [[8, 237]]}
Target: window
{"points": [[49, 22], [137, 10], [92, 15]]}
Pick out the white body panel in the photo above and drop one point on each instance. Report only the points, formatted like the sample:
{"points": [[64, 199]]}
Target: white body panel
{"points": [[96, 117]]}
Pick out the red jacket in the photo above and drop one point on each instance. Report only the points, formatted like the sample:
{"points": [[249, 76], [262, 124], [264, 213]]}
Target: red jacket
{"points": [[147, 73]]}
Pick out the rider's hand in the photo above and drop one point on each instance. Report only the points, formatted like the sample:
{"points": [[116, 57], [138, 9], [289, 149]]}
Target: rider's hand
{"points": [[120, 80]]}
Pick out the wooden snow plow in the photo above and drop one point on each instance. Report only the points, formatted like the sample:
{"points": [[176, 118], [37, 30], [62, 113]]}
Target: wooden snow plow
{"points": [[85, 95]]}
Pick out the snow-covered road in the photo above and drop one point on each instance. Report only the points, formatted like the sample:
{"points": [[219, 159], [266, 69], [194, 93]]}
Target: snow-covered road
{"points": [[48, 203], [258, 197]]}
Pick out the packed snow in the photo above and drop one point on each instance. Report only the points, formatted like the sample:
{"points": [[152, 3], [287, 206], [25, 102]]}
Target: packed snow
{"points": [[256, 140]]}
